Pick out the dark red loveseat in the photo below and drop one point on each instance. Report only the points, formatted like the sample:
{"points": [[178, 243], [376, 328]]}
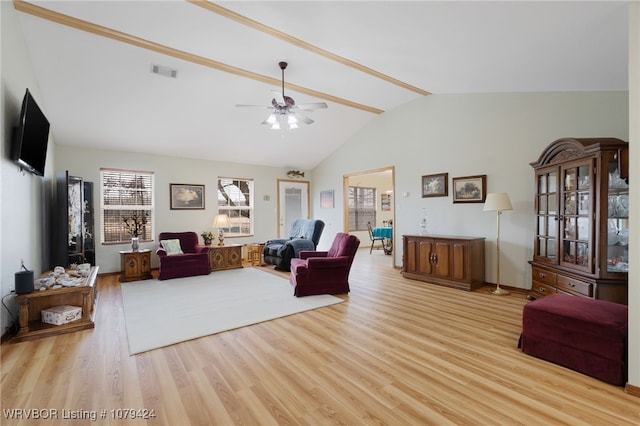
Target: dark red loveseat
{"points": [[324, 272], [194, 260]]}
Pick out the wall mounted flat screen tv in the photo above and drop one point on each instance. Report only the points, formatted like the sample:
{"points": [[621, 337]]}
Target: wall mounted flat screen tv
{"points": [[31, 137]]}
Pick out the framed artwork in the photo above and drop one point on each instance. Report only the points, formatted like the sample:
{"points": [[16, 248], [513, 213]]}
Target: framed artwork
{"points": [[326, 199], [186, 196], [385, 202], [470, 189], [435, 185]]}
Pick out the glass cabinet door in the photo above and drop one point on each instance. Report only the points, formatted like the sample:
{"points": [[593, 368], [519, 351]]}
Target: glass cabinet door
{"points": [[617, 221], [75, 216], [546, 215], [576, 216]]}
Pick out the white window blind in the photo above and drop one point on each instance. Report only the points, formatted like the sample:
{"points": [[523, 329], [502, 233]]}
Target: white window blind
{"points": [[126, 205]]}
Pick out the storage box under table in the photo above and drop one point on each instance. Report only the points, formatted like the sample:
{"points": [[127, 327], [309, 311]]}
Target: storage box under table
{"points": [[586, 335], [58, 315]]}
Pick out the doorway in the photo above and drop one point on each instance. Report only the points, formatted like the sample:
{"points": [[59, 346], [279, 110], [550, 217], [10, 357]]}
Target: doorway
{"points": [[383, 181], [293, 203]]}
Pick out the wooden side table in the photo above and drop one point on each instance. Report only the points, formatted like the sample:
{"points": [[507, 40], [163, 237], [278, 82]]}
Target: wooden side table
{"points": [[225, 257], [255, 254], [135, 265]]}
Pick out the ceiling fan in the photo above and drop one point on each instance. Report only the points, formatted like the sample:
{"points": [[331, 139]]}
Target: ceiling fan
{"points": [[286, 114]]}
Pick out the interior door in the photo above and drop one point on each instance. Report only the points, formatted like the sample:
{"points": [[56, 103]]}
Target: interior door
{"points": [[293, 203]]}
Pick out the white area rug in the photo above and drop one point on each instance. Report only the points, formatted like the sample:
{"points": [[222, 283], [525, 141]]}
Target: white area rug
{"points": [[161, 313]]}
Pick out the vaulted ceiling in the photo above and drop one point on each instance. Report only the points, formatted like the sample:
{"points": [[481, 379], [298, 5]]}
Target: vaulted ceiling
{"points": [[93, 62]]}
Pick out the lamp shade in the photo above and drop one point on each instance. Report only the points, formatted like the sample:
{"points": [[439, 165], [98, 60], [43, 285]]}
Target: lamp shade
{"points": [[498, 201], [221, 221]]}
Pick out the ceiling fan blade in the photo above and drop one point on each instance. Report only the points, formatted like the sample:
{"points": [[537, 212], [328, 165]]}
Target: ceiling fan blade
{"points": [[254, 106], [304, 119], [312, 106]]}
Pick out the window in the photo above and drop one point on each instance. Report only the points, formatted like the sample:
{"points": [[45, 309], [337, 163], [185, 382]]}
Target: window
{"points": [[126, 205], [362, 208], [235, 199]]}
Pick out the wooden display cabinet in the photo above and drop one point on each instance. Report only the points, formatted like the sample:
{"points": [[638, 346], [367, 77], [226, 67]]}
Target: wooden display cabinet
{"points": [[135, 265], [450, 261], [225, 257], [582, 220]]}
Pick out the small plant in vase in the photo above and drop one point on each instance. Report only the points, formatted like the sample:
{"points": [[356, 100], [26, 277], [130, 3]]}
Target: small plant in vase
{"points": [[207, 236], [135, 226]]}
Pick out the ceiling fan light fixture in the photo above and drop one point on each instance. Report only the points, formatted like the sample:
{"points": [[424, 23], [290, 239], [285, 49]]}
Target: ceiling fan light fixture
{"points": [[285, 115]]}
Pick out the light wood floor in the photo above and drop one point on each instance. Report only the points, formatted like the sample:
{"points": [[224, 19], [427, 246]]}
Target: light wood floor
{"points": [[397, 352]]}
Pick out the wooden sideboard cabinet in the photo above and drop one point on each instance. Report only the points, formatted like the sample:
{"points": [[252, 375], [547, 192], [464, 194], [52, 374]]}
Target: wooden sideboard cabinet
{"points": [[135, 265], [581, 244], [450, 261], [225, 257]]}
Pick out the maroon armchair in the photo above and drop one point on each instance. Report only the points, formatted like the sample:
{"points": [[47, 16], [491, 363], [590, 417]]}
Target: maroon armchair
{"points": [[324, 272], [193, 261]]}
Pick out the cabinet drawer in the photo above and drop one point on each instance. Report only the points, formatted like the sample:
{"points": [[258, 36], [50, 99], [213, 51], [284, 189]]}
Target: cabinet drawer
{"points": [[575, 286], [543, 276], [542, 288]]}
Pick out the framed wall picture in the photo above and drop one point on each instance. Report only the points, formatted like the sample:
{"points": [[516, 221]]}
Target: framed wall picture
{"points": [[186, 196], [385, 202], [326, 199], [435, 185], [470, 189]]}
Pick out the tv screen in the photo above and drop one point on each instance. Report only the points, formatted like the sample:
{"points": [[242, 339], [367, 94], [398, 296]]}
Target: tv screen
{"points": [[31, 137]]}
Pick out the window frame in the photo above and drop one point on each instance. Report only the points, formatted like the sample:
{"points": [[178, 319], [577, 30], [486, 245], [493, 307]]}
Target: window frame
{"points": [[118, 227], [357, 209], [227, 209]]}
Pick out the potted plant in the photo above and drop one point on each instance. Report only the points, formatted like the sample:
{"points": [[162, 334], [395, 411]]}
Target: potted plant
{"points": [[135, 226], [207, 236]]}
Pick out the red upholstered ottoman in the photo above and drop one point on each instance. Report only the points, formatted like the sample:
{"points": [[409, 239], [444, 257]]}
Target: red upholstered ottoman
{"points": [[586, 335]]}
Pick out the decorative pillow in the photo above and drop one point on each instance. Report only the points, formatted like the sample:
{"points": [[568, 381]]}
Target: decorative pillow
{"points": [[172, 247]]}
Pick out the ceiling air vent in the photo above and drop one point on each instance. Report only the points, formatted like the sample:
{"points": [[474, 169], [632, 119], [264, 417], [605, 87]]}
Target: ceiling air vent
{"points": [[165, 71]]}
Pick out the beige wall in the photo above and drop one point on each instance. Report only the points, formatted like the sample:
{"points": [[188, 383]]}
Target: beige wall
{"points": [[86, 163], [464, 135]]}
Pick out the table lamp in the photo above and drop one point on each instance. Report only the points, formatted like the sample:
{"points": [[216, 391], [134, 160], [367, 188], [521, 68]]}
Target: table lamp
{"points": [[498, 202], [221, 221]]}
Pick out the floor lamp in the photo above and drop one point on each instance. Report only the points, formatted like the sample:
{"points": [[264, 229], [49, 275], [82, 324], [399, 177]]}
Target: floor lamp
{"points": [[498, 202]]}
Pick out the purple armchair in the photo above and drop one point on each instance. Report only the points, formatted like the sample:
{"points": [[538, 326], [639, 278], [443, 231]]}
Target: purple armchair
{"points": [[324, 272], [193, 261]]}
